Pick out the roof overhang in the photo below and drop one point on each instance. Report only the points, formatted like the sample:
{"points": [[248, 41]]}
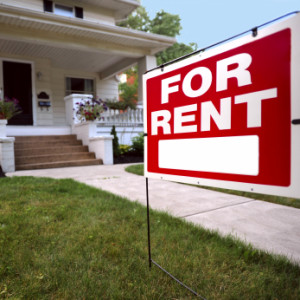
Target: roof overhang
{"points": [[74, 43]]}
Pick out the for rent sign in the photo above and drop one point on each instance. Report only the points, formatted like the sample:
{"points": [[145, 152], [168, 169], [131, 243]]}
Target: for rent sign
{"points": [[224, 118]]}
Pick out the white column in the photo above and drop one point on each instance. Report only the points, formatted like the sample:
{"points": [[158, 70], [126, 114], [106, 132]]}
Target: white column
{"points": [[70, 104], [7, 155], [100, 145], [103, 148], [146, 63]]}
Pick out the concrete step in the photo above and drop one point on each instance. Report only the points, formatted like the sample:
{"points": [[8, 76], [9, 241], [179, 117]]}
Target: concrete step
{"points": [[45, 138], [38, 159], [60, 164], [54, 151], [51, 150]]}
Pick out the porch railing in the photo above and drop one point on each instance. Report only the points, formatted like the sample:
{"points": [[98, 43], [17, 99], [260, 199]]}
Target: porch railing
{"points": [[130, 117]]}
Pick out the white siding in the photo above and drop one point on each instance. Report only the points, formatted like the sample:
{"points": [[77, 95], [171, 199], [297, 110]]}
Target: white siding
{"points": [[36, 5], [98, 15], [58, 91], [90, 13], [107, 89], [43, 84]]}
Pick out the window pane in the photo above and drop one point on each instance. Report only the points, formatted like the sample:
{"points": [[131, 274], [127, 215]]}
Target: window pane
{"points": [[89, 85], [63, 10], [78, 12], [48, 6], [79, 86]]}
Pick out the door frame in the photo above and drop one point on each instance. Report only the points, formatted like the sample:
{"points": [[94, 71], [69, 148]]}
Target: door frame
{"points": [[34, 108]]}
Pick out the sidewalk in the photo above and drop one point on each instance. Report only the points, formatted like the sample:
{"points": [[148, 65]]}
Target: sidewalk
{"points": [[271, 227]]}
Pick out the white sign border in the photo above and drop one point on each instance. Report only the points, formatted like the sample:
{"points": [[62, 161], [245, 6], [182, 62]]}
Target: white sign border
{"points": [[294, 189]]}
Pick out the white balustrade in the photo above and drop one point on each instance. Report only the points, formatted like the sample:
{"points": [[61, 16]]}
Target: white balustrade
{"points": [[130, 117]]}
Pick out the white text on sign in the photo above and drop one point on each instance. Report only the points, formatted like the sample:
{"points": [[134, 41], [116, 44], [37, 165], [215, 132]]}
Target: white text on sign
{"points": [[235, 66]]}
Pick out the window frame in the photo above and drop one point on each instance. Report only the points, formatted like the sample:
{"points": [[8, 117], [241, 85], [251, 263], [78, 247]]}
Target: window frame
{"points": [[50, 7], [69, 92]]}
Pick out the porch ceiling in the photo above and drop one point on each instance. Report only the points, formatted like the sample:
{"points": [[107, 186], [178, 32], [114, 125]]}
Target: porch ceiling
{"points": [[62, 57], [73, 43]]}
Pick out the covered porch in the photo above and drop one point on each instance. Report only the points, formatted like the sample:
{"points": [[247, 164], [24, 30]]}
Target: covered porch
{"points": [[46, 58]]}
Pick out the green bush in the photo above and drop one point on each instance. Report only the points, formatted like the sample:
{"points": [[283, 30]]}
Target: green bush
{"points": [[116, 147], [137, 146], [124, 149]]}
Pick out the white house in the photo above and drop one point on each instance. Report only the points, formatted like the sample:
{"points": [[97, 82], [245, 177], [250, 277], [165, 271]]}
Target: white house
{"points": [[54, 52]]}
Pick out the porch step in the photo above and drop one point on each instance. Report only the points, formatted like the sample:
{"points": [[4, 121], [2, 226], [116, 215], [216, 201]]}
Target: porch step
{"points": [[38, 159], [43, 152], [51, 150], [61, 164]]}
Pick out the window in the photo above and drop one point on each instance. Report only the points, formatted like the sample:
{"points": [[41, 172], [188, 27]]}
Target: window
{"points": [[48, 6], [79, 86], [63, 10]]}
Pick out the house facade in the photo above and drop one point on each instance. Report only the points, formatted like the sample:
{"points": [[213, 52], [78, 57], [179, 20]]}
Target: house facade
{"points": [[52, 52]]}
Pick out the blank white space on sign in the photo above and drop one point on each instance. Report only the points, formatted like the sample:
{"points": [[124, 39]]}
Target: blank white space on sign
{"points": [[232, 155]]}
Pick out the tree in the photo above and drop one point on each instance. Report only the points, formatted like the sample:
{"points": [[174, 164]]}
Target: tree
{"points": [[164, 23], [128, 90], [175, 51], [138, 20]]}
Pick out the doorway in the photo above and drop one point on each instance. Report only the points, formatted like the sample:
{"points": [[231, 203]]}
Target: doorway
{"points": [[17, 83]]}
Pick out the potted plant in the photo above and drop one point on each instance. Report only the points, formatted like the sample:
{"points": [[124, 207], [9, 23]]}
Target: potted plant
{"points": [[90, 109], [8, 109]]}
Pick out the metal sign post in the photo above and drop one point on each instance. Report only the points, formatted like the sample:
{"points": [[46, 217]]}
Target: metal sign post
{"points": [[149, 250]]}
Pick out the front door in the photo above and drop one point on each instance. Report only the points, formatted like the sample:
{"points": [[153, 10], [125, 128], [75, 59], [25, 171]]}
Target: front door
{"points": [[17, 84]]}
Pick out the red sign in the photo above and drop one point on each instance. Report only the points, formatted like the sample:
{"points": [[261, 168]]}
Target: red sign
{"points": [[225, 117]]}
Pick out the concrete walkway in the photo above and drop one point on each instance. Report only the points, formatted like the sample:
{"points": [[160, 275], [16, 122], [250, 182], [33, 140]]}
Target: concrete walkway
{"points": [[271, 227]]}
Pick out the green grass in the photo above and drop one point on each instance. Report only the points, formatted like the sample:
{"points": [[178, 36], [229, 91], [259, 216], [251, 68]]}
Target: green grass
{"points": [[60, 239], [136, 169], [139, 170]]}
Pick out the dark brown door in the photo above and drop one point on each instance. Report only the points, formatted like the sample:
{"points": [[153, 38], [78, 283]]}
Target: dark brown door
{"points": [[17, 84]]}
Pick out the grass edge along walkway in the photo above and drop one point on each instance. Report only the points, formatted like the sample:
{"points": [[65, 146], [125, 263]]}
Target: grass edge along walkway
{"points": [[138, 169], [60, 239]]}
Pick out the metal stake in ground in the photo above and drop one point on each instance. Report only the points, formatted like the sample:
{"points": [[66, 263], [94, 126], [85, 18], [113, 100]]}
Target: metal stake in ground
{"points": [[149, 250]]}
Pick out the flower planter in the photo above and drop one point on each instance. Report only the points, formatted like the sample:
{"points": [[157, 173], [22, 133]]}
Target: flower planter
{"points": [[3, 128]]}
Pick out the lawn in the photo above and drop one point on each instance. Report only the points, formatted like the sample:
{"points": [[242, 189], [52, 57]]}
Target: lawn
{"points": [[60, 239], [138, 169]]}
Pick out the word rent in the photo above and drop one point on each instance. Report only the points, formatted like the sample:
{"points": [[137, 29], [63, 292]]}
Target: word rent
{"points": [[236, 66]]}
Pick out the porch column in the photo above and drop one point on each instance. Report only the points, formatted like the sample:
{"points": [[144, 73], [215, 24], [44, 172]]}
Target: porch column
{"points": [[146, 63], [7, 155]]}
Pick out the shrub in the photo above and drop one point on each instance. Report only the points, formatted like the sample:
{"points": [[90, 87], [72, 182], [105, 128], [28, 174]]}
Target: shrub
{"points": [[116, 147], [124, 149], [138, 144]]}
